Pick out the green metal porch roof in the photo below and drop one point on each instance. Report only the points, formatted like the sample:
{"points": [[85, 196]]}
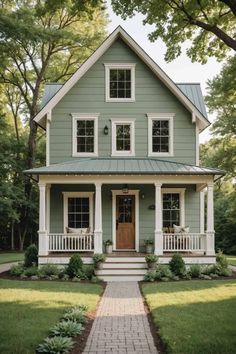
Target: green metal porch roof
{"points": [[122, 166]]}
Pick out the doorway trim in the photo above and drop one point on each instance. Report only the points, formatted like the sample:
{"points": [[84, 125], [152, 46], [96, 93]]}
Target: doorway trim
{"points": [[134, 192]]}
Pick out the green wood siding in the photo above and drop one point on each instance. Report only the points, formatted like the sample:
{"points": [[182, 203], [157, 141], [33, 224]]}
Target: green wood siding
{"points": [[88, 95]]}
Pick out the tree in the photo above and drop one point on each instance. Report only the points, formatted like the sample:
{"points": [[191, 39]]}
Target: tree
{"points": [[42, 41], [209, 24]]}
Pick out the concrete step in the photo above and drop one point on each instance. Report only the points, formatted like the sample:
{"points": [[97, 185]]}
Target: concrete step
{"points": [[127, 265], [121, 277], [113, 271], [125, 259]]}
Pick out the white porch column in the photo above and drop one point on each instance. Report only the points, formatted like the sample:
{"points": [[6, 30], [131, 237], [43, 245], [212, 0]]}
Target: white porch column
{"points": [[202, 212], [98, 219], [210, 232], [43, 237], [158, 249]]}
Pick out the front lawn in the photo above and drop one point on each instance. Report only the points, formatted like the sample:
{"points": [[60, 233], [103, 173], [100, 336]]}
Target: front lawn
{"points": [[194, 317], [231, 260], [29, 308], [7, 257]]}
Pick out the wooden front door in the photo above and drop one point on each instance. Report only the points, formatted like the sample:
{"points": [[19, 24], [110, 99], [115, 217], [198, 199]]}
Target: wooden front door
{"points": [[125, 222]]}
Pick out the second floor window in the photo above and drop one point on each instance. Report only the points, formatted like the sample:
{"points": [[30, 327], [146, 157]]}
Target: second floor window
{"points": [[122, 137], [85, 139]]}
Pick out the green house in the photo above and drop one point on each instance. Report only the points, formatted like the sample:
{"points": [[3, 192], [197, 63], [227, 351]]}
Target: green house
{"points": [[122, 165]]}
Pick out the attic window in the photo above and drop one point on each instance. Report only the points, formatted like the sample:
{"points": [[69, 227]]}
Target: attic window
{"points": [[120, 82]]}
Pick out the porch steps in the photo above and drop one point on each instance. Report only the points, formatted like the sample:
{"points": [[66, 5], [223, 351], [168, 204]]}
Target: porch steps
{"points": [[123, 269]]}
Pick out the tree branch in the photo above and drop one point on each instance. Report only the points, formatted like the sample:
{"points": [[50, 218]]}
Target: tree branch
{"points": [[231, 4]]}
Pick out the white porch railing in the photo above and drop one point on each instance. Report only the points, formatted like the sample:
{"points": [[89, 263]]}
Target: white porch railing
{"points": [[184, 242], [71, 242]]}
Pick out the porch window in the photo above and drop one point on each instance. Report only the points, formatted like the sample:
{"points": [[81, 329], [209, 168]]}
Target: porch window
{"points": [[120, 82], [160, 134], [78, 210], [85, 134], [171, 209], [122, 138]]}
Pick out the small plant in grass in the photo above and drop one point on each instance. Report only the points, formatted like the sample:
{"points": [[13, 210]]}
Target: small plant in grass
{"points": [[17, 270], [225, 272], [66, 329], [150, 276], [29, 272], [98, 260], [48, 270], [31, 256], [75, 265], [151, 260], [163, 271], [56, 345], [221, 260], [195, 270], [177, 265], [76, 315]]}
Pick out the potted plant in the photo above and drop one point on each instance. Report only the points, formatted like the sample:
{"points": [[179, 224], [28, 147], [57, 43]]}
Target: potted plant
{"points": [[151, 261], [108, 246], [149, 246], [98, 260]]}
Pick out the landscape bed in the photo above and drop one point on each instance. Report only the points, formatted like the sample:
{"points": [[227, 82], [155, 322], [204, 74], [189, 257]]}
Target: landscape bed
{"points": [[29, 309], [194, 317]]}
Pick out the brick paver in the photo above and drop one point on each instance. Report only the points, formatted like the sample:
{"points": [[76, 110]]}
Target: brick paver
{"points": [[121, 324]]}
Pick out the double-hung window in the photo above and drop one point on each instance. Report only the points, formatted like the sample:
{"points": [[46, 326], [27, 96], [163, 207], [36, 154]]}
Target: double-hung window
{"points": [[85, 134], [173, 207], [120, 82], [122, 137], [160, 134]]}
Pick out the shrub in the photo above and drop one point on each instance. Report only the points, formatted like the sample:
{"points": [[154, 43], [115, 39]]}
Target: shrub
{"points": [[76, 314], [88, 270], [150, 275], [66, 329], [62, 273], [17, 270], [221, 260], [163, 271], [195, 270], [75, 265], [31, 256], [225, 272], [94, 279], [211, 269], [56, 345], [177, 265], [48, 270], [98, 258], [29, 272], [151, 258]]}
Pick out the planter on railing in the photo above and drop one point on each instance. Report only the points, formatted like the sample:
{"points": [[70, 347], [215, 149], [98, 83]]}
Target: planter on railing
{"points": [[71, 242], [184, 242]]}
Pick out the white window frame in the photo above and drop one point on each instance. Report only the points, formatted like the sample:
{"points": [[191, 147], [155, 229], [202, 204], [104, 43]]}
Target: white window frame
{"points": [[67, 195], [181, 192], [114, 123], [84, 116], [161, 116], [109, 66]]}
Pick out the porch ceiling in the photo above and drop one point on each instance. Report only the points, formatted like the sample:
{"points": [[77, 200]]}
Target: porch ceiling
{"points": [[123, 166]]}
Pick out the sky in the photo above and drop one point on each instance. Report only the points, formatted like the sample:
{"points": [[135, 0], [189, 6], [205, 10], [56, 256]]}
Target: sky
{"points": [[179, 70]]}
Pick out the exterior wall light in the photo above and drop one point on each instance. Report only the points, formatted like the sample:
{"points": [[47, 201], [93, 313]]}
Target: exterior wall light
{"points": [[125, 189], [105, 130]]}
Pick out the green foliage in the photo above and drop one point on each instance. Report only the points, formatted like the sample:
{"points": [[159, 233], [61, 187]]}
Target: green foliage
{"points": [[222, 260], [148, 242], [151, 258], [108, 243], [207, 24], [195, 270], [98, 258], [163, 271], [31, 256], [177, 265], [30, 271], [66, 329], [150, 275], [17, 270], [75, 266], [76, 314], [48, 270], [56, 345], [88, 271]]}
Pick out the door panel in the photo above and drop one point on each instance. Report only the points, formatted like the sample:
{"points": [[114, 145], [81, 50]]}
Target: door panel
{"points": [[125, 222]]}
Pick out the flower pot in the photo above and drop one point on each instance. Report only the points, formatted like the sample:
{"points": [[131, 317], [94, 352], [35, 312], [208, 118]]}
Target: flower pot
{"points": [[109, 249], [99, 265], [152, 265], [149, 249]]}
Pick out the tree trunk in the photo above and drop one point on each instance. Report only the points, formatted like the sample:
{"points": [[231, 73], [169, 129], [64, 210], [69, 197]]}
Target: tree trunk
{"points": [[12, 236]]}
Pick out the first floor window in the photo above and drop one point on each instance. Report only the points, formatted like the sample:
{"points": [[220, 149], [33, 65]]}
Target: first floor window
{"points": [[171, 209], [78, 212], [85, 135]]}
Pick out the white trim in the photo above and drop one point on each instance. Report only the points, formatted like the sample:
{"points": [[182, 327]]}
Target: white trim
{"points": [[84, 116], [161, 116], [114, 123], [48, 124], [48, 188], [134, 192], [202, 212], [181, 192], [67, 195], [197, 145], [119, 32], [109, 66]]}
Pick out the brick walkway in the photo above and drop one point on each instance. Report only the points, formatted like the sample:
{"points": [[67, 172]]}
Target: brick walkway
{"points": [[121, 325]]}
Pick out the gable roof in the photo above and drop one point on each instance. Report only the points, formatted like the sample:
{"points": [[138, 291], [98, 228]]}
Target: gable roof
{"points": [[119, 32]]}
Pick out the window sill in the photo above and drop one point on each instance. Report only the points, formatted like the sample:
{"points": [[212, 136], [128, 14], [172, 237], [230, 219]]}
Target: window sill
{"points": [[120, 100], [85, 154], [160, 154], [122, 154]]}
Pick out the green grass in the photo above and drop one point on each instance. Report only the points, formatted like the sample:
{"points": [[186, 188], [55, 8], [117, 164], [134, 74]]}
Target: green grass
{"points": [[194, 317], [29, 308], [231, 260], [7, 257]]}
